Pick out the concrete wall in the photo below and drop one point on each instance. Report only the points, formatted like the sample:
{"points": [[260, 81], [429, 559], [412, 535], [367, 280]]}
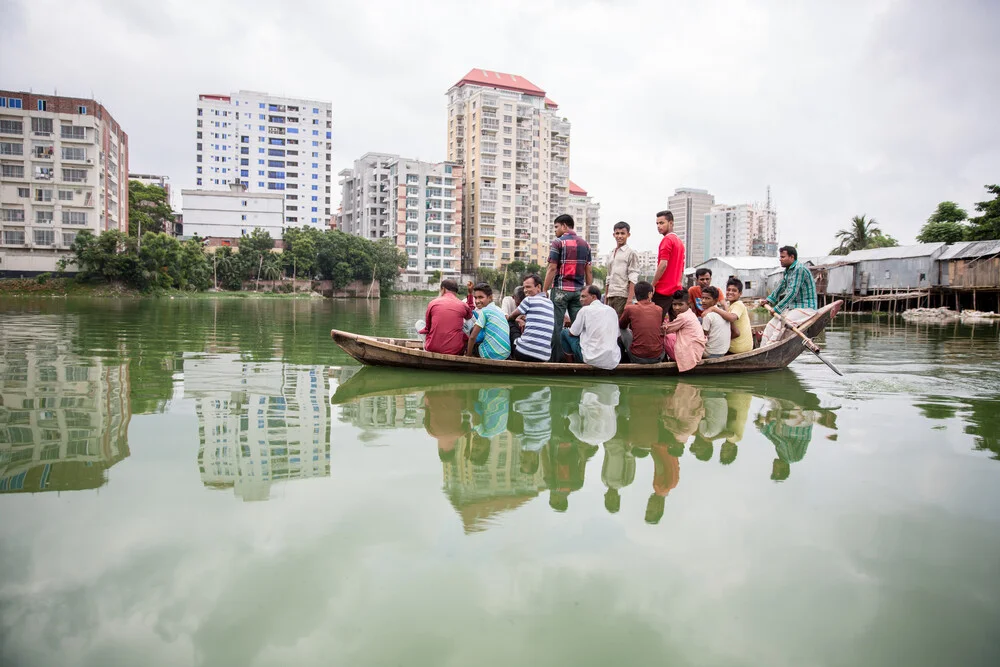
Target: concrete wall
{"points": [[357, 289]]}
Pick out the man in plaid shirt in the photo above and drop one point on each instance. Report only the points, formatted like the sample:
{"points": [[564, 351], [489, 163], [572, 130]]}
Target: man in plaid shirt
{"points": [[795, 297], [569, 271]]}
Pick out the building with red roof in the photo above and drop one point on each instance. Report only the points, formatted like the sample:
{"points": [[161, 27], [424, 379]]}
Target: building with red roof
{"points": [[513, 148]]}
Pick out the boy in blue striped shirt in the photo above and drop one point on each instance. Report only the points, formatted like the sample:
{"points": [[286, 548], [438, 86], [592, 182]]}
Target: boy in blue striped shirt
{"points": [[490, 336]]}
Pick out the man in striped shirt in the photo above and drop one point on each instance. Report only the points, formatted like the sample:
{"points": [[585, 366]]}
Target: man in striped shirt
{"points": [[535, 342], [795, 298], [490, 336]]}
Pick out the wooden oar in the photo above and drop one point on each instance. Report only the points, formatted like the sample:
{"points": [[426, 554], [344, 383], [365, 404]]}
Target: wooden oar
{"points": [[806, 341]]}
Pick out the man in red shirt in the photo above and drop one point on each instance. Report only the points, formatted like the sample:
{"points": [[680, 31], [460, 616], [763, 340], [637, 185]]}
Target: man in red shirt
{"points": [[444, 319], [670, 263]]}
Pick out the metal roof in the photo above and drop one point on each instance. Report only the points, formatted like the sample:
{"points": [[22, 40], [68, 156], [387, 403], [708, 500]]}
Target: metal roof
{"points": [[971, 249], [931, 250], [746, 263]]}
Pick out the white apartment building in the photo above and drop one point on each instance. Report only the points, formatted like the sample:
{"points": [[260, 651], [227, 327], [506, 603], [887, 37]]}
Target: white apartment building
{"points": [[690, 206], [269, 144], [227, 216], [514, 150], [742, 230], [258, 423], [417, 204], [63, 169], [647, 263], [587, 216]]}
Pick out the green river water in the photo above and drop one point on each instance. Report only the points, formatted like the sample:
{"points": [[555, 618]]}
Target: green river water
{"points": [[212, 482]]}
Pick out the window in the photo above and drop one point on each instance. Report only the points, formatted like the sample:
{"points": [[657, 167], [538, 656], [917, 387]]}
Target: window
{"points": [[11, 148], [11, 127], [81, 109], [45, 236], [43, 105], [65, 195], [12, 171], [243, 217], [74, 175], [200, 111], [68, 238], [15, 103], [198, 181], [43, 217], [74, 217], [12, 215], [74, 153], [73, 132], [23, 193], [748, 285], [13, 237], [43, 195]]}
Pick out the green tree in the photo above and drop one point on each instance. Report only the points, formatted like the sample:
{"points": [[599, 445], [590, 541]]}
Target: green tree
{"points": [[944, 225], [388, 261], [516, 269], [110, 257], [148, 209], [301, 249], [435, 277], [987, 225], [229, 269], [862, 234], [533, 267], [600, 273]]}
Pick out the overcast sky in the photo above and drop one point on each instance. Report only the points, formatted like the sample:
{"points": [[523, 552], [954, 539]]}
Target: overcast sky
{"points": [[880, 107]]}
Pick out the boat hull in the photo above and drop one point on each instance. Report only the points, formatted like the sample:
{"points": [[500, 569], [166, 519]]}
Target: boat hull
{"points": [[408, 353]]}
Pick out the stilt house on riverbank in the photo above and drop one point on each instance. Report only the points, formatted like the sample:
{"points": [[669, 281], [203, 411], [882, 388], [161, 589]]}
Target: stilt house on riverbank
{"points": [[959, 275]]}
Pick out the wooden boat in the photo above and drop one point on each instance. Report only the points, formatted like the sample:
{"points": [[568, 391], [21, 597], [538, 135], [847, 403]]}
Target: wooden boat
{"points": [[409, 353]]}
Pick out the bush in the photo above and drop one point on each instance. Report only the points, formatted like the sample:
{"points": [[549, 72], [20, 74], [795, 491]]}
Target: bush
{"points": [[43, 278]]}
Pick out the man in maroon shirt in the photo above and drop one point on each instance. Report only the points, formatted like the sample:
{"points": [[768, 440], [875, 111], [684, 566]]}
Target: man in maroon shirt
{"points": [[444, 319], [644, 320], [670, 262]]}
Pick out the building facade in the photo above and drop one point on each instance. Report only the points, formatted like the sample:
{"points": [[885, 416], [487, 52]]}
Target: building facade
{"points": [[690, 206], [743, 230], [514, 150], [587, 216], [63, 169], [269, 144], [417, 204], [225, 217]]}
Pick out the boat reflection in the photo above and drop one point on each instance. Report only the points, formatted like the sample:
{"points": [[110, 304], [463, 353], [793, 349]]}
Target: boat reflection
{"points": [[504, 444], [63, 418]]}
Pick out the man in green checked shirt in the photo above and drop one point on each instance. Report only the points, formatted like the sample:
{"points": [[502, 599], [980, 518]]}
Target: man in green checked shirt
{"points": [[795, 298]]}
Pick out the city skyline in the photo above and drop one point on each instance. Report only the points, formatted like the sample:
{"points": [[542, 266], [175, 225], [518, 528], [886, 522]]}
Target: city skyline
{"points": [[671, 122]]}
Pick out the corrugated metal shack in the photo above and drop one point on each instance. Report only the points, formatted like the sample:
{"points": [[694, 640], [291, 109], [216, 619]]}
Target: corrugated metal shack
{"points": [[753, 271], [919, 274]]}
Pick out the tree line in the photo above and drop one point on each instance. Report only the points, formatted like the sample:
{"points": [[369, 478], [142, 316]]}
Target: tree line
{"points": [[948, 224]]}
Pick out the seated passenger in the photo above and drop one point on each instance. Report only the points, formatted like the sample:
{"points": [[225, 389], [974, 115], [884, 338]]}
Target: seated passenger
{"points": [[644, 319], [510, 303], [703, 279], [741, 336], [689, 344], [593, 336], [444, 319], [535, 342], [717, 330], [490, 336]]}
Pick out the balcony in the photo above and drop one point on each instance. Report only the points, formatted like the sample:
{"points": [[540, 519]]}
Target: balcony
{"points": [[524, 157], [489, 101], [42, 153], [488, 148], [488, 194], [73, 133], [488, 207], [491, 124], [489, 171]]}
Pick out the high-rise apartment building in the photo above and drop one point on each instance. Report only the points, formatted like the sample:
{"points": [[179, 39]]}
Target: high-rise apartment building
{"points": [[742, 230], [417, 204], [270, 144], [689, 206], [514, 150], [586, 216], [63, 169]]}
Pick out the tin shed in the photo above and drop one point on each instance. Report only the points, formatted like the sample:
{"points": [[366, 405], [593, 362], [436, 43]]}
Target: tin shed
{"points": [[900, 268], [970, 265]]}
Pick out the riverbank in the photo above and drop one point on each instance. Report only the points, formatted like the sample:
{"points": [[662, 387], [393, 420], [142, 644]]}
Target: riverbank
{"points": [[70, 288]]}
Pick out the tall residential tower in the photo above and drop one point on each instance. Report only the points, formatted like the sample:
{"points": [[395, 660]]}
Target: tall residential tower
{"points": [[690, 206], [514, 150], [269, 144]]}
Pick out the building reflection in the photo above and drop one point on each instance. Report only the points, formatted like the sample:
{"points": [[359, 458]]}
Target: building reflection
{"points": [[503, 445], [258, 422], [63, 418]]}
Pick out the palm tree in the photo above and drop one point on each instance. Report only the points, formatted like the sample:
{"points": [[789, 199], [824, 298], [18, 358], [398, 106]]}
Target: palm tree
{"points": [[858, 236]]}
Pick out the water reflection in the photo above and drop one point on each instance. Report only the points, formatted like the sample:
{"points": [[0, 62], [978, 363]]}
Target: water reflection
{"points": [[63, 418], [502, 445], [258, 423]]}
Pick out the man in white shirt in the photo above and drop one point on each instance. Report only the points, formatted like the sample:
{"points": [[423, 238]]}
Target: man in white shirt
{"points": [[593, 337]]}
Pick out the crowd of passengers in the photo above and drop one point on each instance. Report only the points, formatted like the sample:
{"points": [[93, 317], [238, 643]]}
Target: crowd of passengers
{"points": [[566, 318]]}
